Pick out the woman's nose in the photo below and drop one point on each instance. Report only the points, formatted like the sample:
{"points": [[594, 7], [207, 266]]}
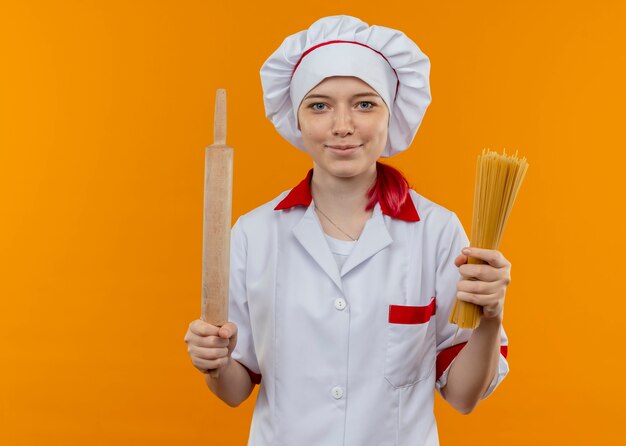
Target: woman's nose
{"points": [[342, 123]]}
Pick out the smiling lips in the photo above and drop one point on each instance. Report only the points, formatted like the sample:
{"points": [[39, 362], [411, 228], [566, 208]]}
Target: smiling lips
{"points": [[344, 147]]}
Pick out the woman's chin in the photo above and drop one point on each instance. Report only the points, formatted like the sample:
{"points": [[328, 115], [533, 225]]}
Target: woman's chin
{"points": [[345, 168]]}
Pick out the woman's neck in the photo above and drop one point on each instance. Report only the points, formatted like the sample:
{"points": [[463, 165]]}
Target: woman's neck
{"points": [[344, 198]]}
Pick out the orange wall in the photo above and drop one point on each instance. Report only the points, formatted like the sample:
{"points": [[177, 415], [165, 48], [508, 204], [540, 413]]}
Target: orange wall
{"points": [[105, 110]]}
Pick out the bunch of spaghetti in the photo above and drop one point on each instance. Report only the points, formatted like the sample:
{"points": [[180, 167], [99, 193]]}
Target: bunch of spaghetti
{"points": [[498, 180]]}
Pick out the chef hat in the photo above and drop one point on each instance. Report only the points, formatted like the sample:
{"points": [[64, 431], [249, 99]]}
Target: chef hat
{"points": [[386, 59]]}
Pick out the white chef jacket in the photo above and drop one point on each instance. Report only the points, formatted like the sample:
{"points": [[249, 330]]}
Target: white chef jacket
{"points": [[347, 357]]}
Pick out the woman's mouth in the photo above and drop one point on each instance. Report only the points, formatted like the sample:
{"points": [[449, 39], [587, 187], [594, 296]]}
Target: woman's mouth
{"points": [[344, 150]]}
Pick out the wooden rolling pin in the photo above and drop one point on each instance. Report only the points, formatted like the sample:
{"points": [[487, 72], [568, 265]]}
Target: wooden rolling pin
{"points": [[218, 186]]}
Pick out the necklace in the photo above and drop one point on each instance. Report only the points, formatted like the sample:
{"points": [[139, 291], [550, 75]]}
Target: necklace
{"points": [[335, 225]]}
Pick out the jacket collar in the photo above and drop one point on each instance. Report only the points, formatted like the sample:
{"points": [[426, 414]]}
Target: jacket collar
{"points": [[301, 196]]}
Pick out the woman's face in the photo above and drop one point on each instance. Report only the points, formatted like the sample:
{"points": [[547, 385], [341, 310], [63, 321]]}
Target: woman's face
{"points": [[344, 126]]}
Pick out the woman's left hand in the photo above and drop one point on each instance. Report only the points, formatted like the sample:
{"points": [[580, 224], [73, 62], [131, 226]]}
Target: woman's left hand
{"points": [[491, 279]]}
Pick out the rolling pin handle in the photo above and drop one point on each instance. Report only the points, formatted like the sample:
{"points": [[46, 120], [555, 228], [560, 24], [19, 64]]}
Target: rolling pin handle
{"points": [[219, 129]]}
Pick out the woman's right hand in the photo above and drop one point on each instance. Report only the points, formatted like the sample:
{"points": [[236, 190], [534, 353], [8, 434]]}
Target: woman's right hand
{"points": [[210, 346]]}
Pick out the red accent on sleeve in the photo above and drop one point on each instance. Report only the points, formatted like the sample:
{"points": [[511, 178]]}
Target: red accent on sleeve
{"points": [[406, 314], [445, 357], [255, 377]]}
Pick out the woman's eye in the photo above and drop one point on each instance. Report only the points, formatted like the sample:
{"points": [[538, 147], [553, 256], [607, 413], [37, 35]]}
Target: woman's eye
{"points": [[363, 105]]}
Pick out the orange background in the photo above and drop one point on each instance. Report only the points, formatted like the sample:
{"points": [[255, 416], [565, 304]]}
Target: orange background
{"points": [[105, 110]]}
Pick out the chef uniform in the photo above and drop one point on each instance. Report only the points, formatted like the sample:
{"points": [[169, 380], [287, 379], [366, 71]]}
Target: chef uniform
{"points": [[348, 340]]}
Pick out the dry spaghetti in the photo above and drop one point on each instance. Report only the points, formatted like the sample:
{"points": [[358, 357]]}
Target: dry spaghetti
{"points": [[498, 180]]}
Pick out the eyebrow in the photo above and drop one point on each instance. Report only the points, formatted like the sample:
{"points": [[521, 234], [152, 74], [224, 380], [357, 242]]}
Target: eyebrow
{"points": [[358, 95]]}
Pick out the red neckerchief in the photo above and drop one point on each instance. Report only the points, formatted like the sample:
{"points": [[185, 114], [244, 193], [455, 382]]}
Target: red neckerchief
{"points": [[301, 196]]}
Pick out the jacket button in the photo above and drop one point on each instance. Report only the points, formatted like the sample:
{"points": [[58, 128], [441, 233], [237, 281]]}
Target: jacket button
{"points": [[337, 392], [340, 303]]}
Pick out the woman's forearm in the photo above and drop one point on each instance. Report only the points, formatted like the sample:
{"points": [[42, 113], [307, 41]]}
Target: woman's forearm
{"points": [[475, 366], [233, 385]]}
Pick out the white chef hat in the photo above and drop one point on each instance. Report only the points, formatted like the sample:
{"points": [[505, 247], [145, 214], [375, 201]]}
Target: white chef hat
{"points": [[386, 59]]}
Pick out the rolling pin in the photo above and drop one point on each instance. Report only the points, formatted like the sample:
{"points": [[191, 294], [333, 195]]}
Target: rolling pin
{"points": [[218, 186]]}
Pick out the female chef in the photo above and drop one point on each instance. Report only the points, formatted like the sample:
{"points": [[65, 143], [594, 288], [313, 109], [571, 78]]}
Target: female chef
{"points": [[341, 287]]}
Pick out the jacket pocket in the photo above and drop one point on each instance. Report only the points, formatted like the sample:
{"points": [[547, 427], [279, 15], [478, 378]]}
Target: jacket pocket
{"points": [[410, 355]]}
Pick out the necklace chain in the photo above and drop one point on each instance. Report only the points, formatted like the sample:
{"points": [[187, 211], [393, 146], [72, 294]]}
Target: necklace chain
{"points": [[335, 225]]}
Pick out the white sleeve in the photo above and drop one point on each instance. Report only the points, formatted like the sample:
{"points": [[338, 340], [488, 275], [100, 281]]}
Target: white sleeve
{"points": [[450, 341], [238, 311]]}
